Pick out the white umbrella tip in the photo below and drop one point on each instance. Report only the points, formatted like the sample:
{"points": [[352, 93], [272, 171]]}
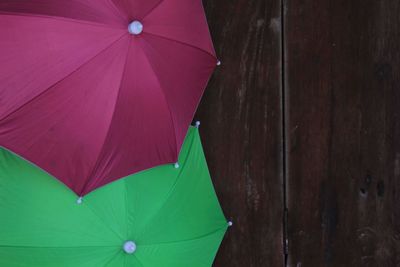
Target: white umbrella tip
{"points": [[197, 124], [135, 27], [230, 223], [79, 200], [176, 165], [219, 63], [129, 247]]}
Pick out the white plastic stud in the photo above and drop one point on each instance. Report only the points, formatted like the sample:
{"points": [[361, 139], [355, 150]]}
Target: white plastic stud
{"points": [[135, 27], [219, 63], [129, 247], [197, 124], [230, 223], [79, 200], [176, 165]]}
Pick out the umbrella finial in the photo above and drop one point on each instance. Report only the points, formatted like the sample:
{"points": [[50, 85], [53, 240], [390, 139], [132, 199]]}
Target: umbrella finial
{"points": [[219, 63], [176, 165], [129, 247], [197, 124], [230, 223], [135, 28], [79, 200]]}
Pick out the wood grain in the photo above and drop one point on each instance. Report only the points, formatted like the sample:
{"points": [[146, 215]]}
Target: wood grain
{"points": [[343, 127], [241, 129]]}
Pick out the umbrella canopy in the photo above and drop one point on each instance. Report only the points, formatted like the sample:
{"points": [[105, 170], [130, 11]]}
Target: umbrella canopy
{"points": [[95, 90], [160, 217]]}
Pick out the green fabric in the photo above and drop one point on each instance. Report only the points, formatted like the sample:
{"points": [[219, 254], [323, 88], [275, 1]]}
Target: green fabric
{"points": [[173, 216]]}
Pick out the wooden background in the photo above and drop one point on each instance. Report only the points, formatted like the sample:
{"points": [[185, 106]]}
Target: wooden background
{"points": [[303, 116]]}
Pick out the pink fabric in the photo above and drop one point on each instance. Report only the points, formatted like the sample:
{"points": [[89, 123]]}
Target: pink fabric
{"points": [[90, 103]]}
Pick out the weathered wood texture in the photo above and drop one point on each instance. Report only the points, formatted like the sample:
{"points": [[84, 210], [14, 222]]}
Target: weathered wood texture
{"points": [[241, 129], [343, 125]]}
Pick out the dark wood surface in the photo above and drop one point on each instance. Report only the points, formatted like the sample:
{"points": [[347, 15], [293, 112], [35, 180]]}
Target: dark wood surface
{"points": [[304, 114], [241, 129], [343, 126]]}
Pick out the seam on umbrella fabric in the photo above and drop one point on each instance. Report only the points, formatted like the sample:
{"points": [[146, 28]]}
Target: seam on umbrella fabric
{"points": [[221, 229], [96, 162], [152, 9], [113, 257], [113, 6], [208, 27], [58, 247], [202, 90], [125, 261], [105, 224], [67, 76], [165, 99], [65, 19], [171, 191], [140, 262], [182, 43]]}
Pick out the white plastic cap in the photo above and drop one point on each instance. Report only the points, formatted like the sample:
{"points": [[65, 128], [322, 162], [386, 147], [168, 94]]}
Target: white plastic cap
{"points": [[219, 63], [230, 223], [135, 28], [129, 247], [79, 200], [197, 124], [176, 165]]}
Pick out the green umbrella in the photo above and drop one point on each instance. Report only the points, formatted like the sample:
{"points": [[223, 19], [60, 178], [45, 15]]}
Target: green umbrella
{"points": [[161, 217]]}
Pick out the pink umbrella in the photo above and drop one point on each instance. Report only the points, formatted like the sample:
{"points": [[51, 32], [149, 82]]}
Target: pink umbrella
{"points": [[95, 90]]}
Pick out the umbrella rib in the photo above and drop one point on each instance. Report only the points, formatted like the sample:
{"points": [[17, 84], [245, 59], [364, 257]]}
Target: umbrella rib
{"points": [[163, 204], [125, 261], [181, 42], [66, 19], [170, 191], [152, 9], [105, 224], [187, 240], [140, 262], [88, 181], [167, 104], [112, 258], [58, 247], [58, 82], [111, 3]]}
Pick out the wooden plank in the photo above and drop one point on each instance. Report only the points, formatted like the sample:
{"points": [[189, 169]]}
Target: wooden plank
{"points": [[343, 126], [241, 129]]}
